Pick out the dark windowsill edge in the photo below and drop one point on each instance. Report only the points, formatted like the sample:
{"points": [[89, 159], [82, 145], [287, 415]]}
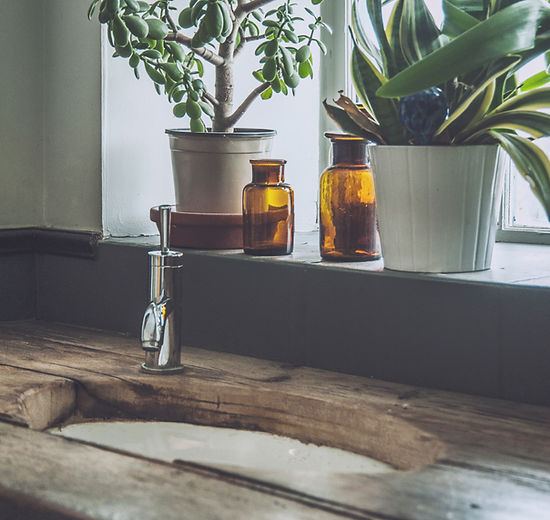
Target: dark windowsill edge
{"points": [[516, 264], [81, 244]]}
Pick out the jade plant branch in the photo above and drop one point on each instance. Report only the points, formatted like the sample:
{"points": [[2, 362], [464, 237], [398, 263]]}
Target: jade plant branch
{"points": [[146, 34]]}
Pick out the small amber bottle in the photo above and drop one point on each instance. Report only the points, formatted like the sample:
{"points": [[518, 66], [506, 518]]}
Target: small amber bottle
{"points": [[347, 209], [268, 210]]}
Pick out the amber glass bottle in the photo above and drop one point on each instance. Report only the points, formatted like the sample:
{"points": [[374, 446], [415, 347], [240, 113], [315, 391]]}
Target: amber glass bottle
{"points": [[268, 210], [347, 209]]}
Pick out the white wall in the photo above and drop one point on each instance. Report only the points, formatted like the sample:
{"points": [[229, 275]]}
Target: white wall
{"points": [[137, 172], [20, 114], [72, 117], [50, 152]]}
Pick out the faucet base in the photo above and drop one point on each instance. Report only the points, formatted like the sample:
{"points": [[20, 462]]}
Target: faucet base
{"points": [[160, 370]]}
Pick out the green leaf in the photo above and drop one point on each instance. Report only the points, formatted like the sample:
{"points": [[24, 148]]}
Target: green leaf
{"points": [[152, 54], [172, 71], [92, 8], [196, 125], [303, 53], [305, 69], [138, 27], [269, 70], [154, 74], [537, 80], [367, 79], [179, 109], [456, 20], [267, 93], [184, 19], [531, 162], [206, 108], [158, 30], [193, 109], [133, 61], [508, 31], [177, 95], [176, 51], [120, 32]]}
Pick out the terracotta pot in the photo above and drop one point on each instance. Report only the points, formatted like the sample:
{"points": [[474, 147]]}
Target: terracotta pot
{"points": [[203, 230], [211, 169], [438, 205]]}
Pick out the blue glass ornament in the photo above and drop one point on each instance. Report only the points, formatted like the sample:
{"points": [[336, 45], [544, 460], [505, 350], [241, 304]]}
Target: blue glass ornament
{"points": [[423, 113]]}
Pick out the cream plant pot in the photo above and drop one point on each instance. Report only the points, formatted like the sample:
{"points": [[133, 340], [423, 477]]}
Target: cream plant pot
{"points": [[438, 205], [211, 169]]}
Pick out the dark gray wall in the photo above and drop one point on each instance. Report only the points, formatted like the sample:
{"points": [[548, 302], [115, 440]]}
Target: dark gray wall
{"points": [[489, 339]]}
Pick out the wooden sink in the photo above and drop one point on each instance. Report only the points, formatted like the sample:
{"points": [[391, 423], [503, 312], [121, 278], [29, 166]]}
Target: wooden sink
{"points": [[460, 457]]}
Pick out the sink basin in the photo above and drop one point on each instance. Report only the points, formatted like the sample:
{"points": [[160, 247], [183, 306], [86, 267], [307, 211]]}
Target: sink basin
{"points": [[224, 447]]}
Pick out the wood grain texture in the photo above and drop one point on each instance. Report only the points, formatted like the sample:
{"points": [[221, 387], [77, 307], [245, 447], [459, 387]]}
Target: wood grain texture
{"points": [[462, 457]]}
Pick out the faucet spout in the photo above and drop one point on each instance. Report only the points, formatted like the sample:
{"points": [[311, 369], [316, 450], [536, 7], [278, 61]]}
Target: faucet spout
{"points": [[154, 322]]}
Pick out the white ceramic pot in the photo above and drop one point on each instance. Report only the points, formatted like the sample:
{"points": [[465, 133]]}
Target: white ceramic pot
{"points": [[211, 169], [438, 205]]}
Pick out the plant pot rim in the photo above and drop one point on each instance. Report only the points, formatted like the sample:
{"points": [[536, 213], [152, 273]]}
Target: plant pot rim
{"points": [[243, 133]]}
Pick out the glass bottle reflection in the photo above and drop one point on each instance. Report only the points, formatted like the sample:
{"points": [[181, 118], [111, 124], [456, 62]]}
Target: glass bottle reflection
{"points": [[268, 210], [347, 207]]}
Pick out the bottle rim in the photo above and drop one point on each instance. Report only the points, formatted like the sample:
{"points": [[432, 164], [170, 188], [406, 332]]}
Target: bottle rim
{"points": [[267, 162]]}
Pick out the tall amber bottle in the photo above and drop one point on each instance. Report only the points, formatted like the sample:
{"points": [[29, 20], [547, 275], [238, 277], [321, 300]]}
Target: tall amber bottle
{"points": [[268, 210], [347, 208]]}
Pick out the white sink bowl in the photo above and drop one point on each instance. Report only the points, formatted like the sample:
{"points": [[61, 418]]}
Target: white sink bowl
{"points": [[223, 447]]}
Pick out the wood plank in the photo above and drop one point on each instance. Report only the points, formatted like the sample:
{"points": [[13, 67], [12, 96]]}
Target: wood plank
{"points": [[98, 484], [34, 399], [466, 457]]}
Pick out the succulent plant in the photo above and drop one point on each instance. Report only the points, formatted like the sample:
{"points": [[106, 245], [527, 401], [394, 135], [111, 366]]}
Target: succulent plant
{"points": [[173, 47], [472, 59]]}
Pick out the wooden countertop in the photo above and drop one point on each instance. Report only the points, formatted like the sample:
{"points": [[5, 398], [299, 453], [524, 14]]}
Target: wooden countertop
{"points": [[462, 457]]}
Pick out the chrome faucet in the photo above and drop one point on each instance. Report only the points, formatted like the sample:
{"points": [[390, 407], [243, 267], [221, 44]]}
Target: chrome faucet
{"points": [[160, 328]]}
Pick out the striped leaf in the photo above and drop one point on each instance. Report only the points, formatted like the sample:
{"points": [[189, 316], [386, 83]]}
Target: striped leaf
{"points": [[531, 162], [536, 124], [417, 31], [483, 95], [363, 39], [456, 20], [508, 31], [533, 99], [367, 80], [374, 8], [393, 33]]}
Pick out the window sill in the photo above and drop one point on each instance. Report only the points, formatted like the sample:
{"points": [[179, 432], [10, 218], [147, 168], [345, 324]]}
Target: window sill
{"points": [[513, 263]]}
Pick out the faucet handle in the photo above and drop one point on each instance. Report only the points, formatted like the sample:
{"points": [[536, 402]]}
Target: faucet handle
{"points": [[165, 219]]}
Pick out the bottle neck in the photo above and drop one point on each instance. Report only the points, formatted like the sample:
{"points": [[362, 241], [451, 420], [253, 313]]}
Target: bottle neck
{"points": [[268, 174], [349, 152]]}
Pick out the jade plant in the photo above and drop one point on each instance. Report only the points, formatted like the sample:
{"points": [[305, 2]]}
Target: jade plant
{"points": [[173, 46], [455, 85]]}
